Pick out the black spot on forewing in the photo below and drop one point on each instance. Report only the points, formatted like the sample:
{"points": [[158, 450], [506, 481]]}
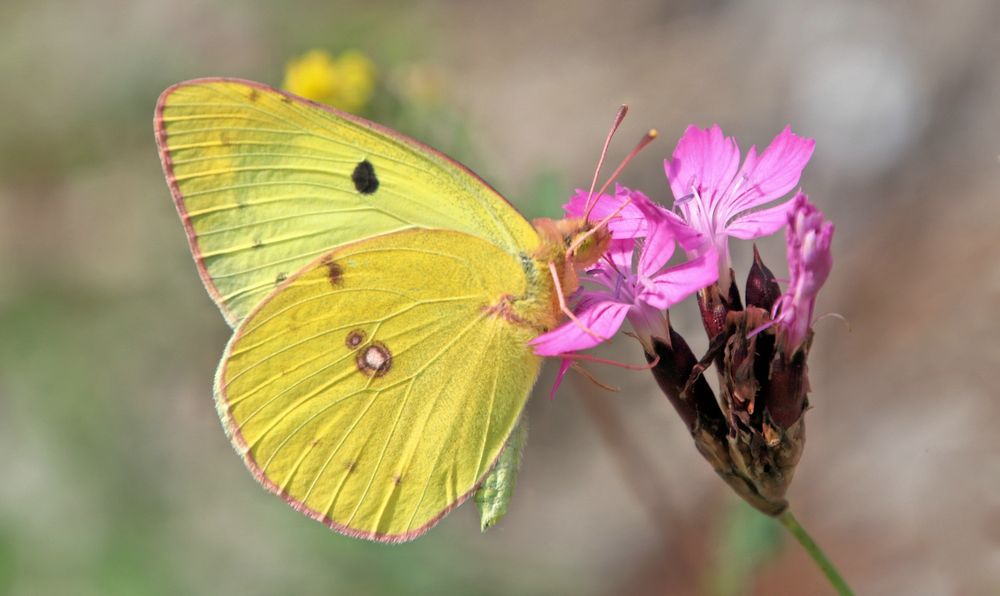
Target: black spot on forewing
{"points": [[280, 278], [364, 178]]}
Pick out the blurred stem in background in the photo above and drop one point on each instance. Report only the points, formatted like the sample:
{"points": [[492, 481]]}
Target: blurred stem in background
{"points": [[744, 544], [748, 541], [684, 562]]}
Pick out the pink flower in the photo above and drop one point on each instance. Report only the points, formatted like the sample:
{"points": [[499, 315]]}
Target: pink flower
{"points": [[719, 198], [637, 291], [630, 221], [809, 264]]}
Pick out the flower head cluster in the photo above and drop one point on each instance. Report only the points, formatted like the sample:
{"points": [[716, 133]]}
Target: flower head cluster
{"points": [[345, 82], [752, 430], [715, 198]]}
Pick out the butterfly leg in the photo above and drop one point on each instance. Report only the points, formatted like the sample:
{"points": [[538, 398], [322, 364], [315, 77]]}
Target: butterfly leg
{"points": [[564, 307]]}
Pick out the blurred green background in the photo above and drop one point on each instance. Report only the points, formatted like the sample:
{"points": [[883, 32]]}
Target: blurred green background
{"points": [[119, 480]]}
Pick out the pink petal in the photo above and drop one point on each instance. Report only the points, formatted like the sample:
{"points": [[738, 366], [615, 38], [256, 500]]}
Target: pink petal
{"points": [[609, 275], [704, 159], [564, 365], [810, 260], [756, 224], [687, 236], [679, 282], [665, 228], [620, 252], [603, 317], [772, 175], [810, 235], [660, 241], [578, 203]]}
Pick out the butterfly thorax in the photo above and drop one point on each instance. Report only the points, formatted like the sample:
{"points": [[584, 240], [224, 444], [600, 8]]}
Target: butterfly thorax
{"points": [[567, 245]]}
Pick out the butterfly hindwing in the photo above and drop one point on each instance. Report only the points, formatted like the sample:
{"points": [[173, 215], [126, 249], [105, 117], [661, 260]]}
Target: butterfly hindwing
{"points": [[374, 389], [266, 182]]}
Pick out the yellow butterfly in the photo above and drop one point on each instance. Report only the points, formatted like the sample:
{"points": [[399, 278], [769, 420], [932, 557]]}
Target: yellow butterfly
{"points": [[382, 295]]}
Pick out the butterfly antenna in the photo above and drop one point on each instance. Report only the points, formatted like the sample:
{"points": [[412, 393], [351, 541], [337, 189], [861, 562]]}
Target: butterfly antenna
{"points": [[619, 116], [646, 139], [643, 142]]}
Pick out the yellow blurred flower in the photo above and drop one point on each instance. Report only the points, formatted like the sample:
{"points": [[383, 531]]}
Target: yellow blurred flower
{"points": [[345, 82]]}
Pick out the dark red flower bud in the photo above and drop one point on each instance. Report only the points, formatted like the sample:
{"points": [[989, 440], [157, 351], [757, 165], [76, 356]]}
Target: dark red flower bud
{"points": [[715, 305], [693, 399], [788, 384], [762, 288]]}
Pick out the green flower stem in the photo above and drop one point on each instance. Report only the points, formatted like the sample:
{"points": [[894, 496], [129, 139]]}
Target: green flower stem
{"points": [[788, 520]]}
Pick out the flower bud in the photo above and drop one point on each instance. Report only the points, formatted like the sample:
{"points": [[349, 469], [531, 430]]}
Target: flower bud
{"points": [[692, 398], [810, 260], [762, 287]]}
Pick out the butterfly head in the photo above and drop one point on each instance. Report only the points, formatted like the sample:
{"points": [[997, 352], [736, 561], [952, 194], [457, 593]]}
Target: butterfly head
{"points": [[579, 242], [587, 245]]}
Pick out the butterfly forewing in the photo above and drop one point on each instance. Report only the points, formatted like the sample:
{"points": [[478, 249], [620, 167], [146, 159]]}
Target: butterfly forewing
{"points": [[266, 182]]}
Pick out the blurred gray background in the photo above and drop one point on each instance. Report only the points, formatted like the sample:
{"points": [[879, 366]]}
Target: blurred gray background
{"points": [[119, 480]]}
